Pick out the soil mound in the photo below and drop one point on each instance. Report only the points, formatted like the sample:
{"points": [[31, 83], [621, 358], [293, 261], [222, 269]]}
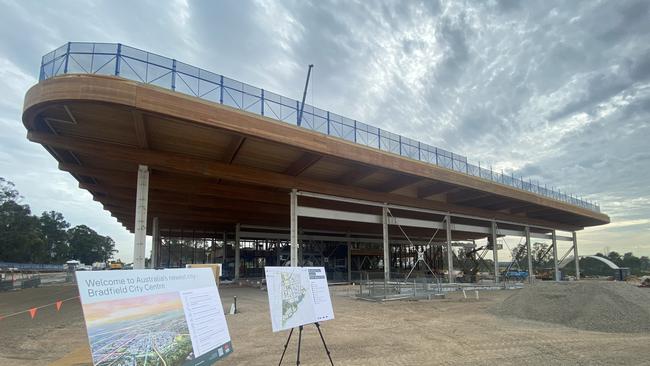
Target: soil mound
{"points": [[599, 306]]}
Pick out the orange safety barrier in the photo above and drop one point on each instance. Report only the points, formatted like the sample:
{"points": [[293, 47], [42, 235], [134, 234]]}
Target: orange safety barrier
{"points": [[32, 311]]}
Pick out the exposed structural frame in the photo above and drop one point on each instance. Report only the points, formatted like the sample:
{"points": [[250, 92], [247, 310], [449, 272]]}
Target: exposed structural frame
{"points": [[385, 220]]}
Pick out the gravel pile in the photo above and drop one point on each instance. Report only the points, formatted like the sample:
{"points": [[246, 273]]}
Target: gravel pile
{"points": [[615, 307]]}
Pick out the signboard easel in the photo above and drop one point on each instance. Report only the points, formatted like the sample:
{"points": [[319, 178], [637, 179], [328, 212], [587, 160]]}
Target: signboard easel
{"points": [[298, 296]]}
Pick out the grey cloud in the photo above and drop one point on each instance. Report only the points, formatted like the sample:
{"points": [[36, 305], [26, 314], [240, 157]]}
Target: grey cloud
{"points": [[630, 19], [500, 81], [452, 33]]}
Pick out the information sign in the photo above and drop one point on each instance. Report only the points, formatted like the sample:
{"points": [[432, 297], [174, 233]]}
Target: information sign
{"points": [[167, 317], [297, 296]]}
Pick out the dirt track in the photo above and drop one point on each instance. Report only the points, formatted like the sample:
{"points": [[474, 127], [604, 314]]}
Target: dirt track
{"points": [[441, 332]]}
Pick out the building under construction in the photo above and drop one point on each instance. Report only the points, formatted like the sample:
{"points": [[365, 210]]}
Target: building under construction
{"points": [[219, 171]]}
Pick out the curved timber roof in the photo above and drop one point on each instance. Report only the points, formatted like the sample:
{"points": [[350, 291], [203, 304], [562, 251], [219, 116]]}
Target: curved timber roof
{"points": [[216, 165]]}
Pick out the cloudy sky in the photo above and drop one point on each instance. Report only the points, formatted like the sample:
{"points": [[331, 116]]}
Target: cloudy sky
{"points": [[558, 91]]}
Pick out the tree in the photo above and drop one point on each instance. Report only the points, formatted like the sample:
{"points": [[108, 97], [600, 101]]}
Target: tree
{"points": [[45, 239], [615, 257], [644, 263], [107, 248], [519, 256], [87, 246], [541, 255], [20, 235], [631, 261], [8, 191], [54, 229]]}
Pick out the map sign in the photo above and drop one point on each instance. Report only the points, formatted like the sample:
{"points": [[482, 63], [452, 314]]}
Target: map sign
{"points": [[297, 296], [154, 317]]}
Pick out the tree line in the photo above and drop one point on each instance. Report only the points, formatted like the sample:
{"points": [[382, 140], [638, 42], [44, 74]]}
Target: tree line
{"points": [[48, 238], [542, 257]]}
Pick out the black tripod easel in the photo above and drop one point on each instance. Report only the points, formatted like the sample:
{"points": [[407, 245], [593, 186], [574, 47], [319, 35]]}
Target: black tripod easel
{"points": [[299, 340]]}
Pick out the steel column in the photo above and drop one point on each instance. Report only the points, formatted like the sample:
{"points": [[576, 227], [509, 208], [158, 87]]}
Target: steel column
{"points": [[384, 219], [556, 269], [530, 257], [576, 257], [495, 253], [118, 59], [237, 264], [293, 212], [141, 201], [155, 243], [301, 248], [347, 238], [223, 255], [450, 254], [67, 57]]}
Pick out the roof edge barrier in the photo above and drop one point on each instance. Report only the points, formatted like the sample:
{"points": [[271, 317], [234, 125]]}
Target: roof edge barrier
{"points": [[114, 59]]}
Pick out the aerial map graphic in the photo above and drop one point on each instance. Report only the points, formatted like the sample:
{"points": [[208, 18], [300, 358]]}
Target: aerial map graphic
{"points": [[293, 293], [146, 330]]}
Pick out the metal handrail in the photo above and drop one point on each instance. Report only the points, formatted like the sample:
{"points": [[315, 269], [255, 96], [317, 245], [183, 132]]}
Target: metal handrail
{"points": [[134, 64]]}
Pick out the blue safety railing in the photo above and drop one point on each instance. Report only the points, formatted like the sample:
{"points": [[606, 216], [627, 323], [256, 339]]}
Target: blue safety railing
{"points": [[149, 68]]}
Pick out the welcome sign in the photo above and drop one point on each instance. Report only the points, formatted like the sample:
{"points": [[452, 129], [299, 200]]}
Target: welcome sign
{"points": [[168, 317]]}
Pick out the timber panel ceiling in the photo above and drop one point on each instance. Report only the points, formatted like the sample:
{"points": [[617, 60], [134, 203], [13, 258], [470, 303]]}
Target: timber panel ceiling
{"points": [[240, 168], [177, 136], [266, 155]]}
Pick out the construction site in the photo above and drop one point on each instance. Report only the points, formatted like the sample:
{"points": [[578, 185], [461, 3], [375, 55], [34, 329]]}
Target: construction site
{"points": [[428, 256], [218, 171]]}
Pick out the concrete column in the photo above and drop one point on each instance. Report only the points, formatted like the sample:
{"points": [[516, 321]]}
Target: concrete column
{"points": [[530, 256], [450, 254], [155, 243], [237, 264], [141, 201], [347, 237], [293, 212], [576, 257], [495, 253], [384, 221], [555, 264]]}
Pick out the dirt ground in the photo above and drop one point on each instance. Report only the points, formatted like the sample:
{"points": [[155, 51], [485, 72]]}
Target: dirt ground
{"points": [[453, 331]]}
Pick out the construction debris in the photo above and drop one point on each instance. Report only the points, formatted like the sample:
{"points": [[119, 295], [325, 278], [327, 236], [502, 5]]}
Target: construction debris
{"points": [[599, 306]]}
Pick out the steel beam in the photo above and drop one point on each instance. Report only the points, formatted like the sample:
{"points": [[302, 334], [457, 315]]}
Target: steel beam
{"points": [[402, 221], [293, 212], [323, 213], [142, 197], [495, 253], [384, 215], [427, 224], [416, 209], [576, 257], [556, 268], [450, 254], [530, 257]]}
